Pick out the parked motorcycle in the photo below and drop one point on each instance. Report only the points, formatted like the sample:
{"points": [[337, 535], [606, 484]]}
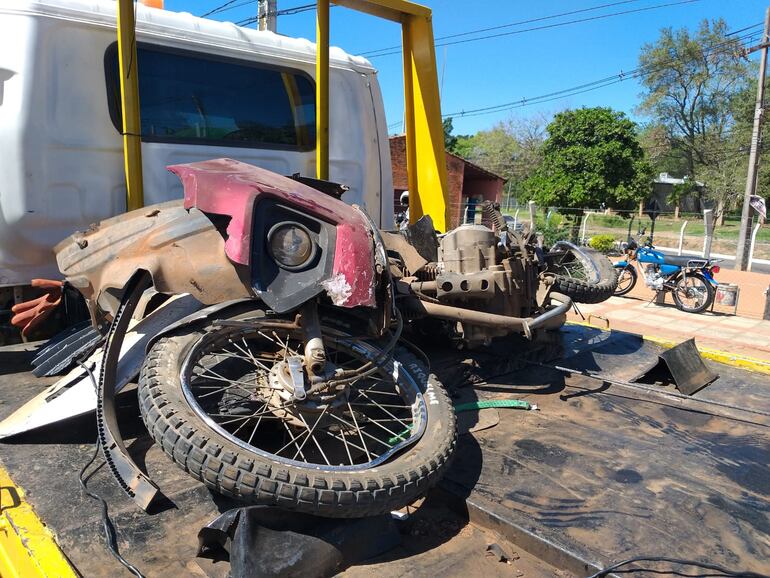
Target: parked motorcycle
{"points": [[292, 385], [690, 280]]}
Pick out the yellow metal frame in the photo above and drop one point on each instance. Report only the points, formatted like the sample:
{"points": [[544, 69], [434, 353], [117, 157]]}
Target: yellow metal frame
{"points": [[27, 547], [426, 162], [129, 99], [425, 158]]}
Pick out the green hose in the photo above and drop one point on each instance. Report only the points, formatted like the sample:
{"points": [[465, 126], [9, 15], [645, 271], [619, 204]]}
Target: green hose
{"points": [[514, 403], [475, 405]]}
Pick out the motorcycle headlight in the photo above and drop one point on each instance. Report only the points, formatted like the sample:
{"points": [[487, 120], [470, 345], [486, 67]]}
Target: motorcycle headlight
{"points": [[291, 245]]}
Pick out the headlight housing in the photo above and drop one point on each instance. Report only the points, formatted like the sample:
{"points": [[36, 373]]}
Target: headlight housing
{"points": [[291, 245]]}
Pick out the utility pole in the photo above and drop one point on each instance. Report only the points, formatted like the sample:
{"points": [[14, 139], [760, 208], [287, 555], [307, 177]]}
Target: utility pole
{"points": [[742, 255], [266, 11]]}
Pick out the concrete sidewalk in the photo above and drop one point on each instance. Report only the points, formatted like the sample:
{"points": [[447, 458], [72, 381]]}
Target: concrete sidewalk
{"points": [[742, 336]]}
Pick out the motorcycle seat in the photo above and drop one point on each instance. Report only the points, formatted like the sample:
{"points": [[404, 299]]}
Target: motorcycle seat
{"points": [[685, 260]]}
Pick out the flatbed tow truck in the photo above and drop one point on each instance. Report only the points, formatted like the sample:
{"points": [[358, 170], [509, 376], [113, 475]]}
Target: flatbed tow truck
{"points": [[604, 470], [609, 467]]}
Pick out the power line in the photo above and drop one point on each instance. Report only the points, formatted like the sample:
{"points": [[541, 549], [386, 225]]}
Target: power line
{"points": [[543, 27], [519, 23], [231, 5], [284, 12], [221, 8], [589, 86]]}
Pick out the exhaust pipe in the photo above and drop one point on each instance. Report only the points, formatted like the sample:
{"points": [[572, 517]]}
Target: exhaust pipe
{"points": [[524, 324]]}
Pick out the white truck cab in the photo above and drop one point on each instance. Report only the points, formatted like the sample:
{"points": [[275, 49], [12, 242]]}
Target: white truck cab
{"points": [[207, 90]]}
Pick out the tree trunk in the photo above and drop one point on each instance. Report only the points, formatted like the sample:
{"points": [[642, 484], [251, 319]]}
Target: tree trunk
{"points": [[676, 212], [641, 209], [720, 213]]}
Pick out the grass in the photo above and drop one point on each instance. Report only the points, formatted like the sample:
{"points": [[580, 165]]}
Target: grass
{"points": [[666, 230], [696, 228]]}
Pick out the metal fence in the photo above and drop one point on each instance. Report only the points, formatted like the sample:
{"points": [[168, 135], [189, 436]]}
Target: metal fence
{"points": [[684, 234]]}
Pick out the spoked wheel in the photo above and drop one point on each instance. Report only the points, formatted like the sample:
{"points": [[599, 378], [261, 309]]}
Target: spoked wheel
{"points": [[626, 280], [227, 405], [693, 293], [583, 274]]}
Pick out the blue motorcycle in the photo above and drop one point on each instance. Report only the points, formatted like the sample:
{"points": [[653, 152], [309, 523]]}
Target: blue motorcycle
{"points": [[689, 279]]}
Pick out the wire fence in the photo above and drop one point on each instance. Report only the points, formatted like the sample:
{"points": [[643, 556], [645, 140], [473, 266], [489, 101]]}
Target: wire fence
{"points": [[683, 233]]}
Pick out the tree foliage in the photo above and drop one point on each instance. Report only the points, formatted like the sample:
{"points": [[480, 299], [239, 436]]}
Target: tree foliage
{"points": [[450, 141], [511, 149], [591, 156], [691, 85], [690, 81]]}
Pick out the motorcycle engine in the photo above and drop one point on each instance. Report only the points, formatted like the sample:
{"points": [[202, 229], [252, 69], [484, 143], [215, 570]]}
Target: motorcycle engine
{"points": [[653, 278], [475, 271]]}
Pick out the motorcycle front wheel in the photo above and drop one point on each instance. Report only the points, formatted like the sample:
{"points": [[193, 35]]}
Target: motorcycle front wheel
{"points": [[692, 293], [626, 279], [218, 400]]}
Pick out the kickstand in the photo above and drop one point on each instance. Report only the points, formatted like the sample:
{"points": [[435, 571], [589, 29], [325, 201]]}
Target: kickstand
{"points": [[654, 296]]}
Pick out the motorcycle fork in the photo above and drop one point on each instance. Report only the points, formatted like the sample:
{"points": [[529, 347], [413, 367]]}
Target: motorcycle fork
{"points": [[314, 353]]}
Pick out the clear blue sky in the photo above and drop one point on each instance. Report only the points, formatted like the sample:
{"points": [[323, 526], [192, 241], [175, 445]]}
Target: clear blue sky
{"points": [[509, 68]]}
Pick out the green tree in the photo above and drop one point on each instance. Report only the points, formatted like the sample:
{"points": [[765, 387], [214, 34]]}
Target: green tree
{"points": [[591, 156], [511, 149], [727, 181], [450, 141], [691, 81], [659, 152], [464, 146], [678, 193]]}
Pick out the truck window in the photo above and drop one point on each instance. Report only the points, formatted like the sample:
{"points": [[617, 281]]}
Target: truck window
{"points": [[193, 98]]}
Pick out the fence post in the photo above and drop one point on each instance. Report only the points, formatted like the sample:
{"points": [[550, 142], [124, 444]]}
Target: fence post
{"points": [[708, 223], [532, 211], [766, 315], [516, 218], [753, 244], [681, 237], [584, 229]]}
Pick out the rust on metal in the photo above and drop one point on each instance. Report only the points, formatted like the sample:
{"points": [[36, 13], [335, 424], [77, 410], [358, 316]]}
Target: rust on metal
{"points": [[181, 250]]}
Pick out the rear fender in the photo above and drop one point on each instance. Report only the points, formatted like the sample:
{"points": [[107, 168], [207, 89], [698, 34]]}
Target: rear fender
{"points": [[621, 264], [707, 274]]}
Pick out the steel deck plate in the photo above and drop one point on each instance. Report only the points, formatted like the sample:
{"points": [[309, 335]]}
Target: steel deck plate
{"points": [[591, 477]]}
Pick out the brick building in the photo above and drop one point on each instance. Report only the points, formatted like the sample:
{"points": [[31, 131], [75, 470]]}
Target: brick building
{"points": [[468, 184]]}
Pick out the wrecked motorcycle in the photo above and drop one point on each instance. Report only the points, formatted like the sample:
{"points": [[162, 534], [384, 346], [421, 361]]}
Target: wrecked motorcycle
{"points": [[291, 385], [291, 388]]}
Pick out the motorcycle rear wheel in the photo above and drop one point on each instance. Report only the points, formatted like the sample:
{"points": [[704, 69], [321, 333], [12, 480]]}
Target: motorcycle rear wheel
{"points": [[354, 458], [626, 279], [692, 293], [583, 274]]}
